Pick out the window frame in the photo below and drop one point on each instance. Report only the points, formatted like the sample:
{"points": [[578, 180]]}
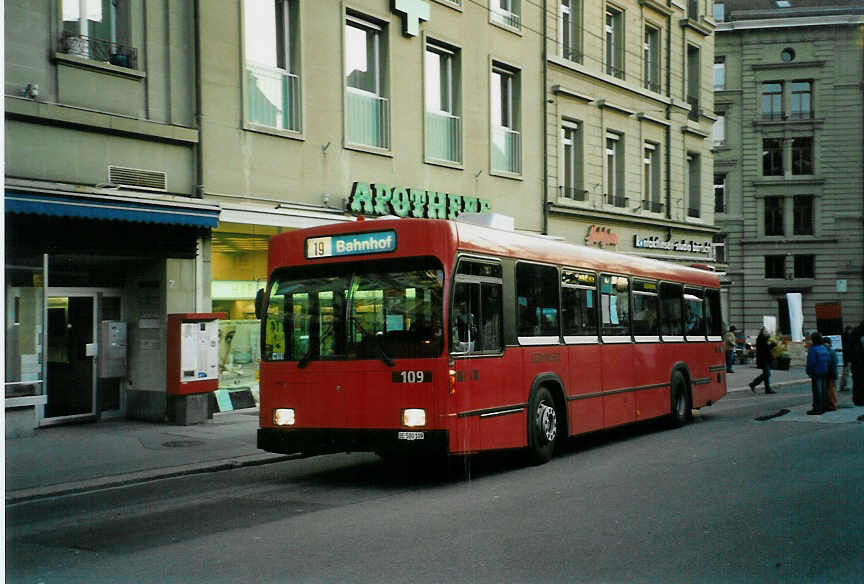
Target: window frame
{"points": [[804, 266], [699, 293], [694, 185], [803, 159], [651, 187], [288, 63], [616, 339], [775, 267], [615, 188], [613, 46], [796, 97], [651, 57], [572, 182], [452, 56], [509, 122], [719, 72], [573, 274], [720, 190], [641, 287], [570, 25], [773, 224], [803, 215], [771, 99], [381, 90], [538, 339], [679, 336], [472, 279], [773, 157]]}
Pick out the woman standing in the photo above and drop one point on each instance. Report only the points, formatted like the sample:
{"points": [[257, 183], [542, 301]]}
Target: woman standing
{"points": [[764, 346]]}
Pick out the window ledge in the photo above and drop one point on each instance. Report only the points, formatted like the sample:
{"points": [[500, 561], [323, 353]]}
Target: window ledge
{"points": [[790, 65], [704, 27], [694, 129], [451, 4], [273, 131], [515, 30], [99, 66], [655, 5], [505, 174], [787, 121], [369, 150], [445, 163], [789, 181]]}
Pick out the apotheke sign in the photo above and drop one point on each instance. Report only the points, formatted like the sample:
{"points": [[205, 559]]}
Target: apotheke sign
{"points": [[379, 199], [682, 245]]}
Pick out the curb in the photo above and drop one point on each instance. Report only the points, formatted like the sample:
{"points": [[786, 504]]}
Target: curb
{"points": [[138, 477]]}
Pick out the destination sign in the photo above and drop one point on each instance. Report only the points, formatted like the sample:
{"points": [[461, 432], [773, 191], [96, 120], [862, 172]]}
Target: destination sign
{"points": [[353, 244]]}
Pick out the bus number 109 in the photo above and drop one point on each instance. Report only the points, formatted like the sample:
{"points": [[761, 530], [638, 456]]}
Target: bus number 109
{"points": [[412, 377]]}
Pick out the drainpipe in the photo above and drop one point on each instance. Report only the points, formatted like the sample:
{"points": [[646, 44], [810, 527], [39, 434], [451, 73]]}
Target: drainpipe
{"points": [[199, 156], [669, 113], [545, 194]]}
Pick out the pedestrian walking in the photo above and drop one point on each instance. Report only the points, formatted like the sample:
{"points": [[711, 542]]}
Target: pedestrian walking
{"points": [[856, 362], [764, 346], [818, 361], [830, 378], [730, 343], [846, 340]]}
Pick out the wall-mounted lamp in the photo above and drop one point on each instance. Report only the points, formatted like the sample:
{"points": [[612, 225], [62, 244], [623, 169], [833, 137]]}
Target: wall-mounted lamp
{"points": [[31, 91]]}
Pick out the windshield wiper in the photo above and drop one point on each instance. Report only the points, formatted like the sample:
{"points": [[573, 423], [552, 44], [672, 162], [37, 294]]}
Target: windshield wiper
{"points": [[378, 344], [304, 360]]}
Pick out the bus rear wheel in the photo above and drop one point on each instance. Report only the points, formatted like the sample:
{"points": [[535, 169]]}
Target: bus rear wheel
{"points": [[680, 398], [543, 426]]}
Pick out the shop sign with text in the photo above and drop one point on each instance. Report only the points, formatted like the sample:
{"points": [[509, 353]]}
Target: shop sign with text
{"points": [[600, 236], [681, 245], [379, 199]]}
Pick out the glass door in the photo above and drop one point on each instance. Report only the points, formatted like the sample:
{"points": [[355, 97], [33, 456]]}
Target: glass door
{"points": [[71, 352]]}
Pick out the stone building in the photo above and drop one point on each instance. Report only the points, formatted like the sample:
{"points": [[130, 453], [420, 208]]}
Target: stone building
{"points": [[788, 162]]}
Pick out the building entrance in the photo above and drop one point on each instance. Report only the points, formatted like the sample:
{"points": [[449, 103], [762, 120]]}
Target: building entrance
{"points": [[74, 389]]}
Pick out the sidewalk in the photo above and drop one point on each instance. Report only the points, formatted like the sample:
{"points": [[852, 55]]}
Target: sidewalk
{"points": [[69, 459], [61, 460]]}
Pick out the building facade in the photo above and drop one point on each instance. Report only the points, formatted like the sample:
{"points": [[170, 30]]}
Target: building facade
{"points": [[629, 118], [152, 148], [788, 171], [103, 221]]}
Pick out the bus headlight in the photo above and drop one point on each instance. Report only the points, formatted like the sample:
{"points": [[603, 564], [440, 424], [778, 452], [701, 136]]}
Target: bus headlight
{"points": [[412, 417], [283, 417]]}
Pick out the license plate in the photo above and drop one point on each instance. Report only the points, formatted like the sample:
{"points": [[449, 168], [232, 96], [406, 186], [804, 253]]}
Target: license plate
{"points": [[410, 436]]}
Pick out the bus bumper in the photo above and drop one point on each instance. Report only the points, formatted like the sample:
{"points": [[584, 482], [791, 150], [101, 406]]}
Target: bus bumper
{"points": [[326, 440]]}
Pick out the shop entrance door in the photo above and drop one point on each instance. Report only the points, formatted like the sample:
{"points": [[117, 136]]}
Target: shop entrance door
{"points": [[72, 349]]}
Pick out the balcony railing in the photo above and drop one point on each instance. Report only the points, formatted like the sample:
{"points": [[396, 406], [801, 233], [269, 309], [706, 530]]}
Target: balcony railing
{"points": [[506, 150], [98, 50], [573, 193], [273, 98], [773, 116], [808, 115], [653, 206], [617, 201], [505, 17], [368, 119], [571, 54], [694, 212], [443, 137]]}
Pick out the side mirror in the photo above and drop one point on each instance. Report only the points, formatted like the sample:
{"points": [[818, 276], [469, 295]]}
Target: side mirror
{"points": [[259, 304]]}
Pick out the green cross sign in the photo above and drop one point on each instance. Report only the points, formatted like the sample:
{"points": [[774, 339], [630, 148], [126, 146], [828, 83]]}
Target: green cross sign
{"points": [[414, 11]]}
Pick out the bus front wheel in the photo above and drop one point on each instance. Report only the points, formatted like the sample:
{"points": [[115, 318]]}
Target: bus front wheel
{"points": [[681, 409], [543, 426]]}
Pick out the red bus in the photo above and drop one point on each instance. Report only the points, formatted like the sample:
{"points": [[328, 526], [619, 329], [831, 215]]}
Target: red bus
{"points": [[418, 336]]}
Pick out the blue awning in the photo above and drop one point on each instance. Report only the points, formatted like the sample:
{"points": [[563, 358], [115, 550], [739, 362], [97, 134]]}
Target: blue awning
{"points": [[107, 209]]}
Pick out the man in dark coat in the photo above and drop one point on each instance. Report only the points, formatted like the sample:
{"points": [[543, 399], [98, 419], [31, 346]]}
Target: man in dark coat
{"points": [[764, 346]]}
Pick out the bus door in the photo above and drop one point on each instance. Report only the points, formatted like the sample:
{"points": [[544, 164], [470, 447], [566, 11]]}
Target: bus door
{"points": [[619, 375], [579, 310], [486, 400]]}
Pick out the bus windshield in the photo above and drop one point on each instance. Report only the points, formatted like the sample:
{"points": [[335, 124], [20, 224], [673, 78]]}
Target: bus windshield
{"points": [[383, 310]]}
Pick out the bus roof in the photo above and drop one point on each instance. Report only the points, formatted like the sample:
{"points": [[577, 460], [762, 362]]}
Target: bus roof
{"points": [[444, 238]]}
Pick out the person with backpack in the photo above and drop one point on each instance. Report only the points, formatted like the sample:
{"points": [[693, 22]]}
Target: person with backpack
{"points": [[818, 362]]}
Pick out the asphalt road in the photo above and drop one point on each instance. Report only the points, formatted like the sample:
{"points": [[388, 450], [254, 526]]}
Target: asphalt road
{"points": [[724, 499]]}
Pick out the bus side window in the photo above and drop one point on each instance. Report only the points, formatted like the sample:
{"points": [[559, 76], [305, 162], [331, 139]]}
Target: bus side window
{"points": [[713, 313], [476, 318], [646, 313], [578, 304], [537, 301], [671, 322], [615, 305], [694, 315]]}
